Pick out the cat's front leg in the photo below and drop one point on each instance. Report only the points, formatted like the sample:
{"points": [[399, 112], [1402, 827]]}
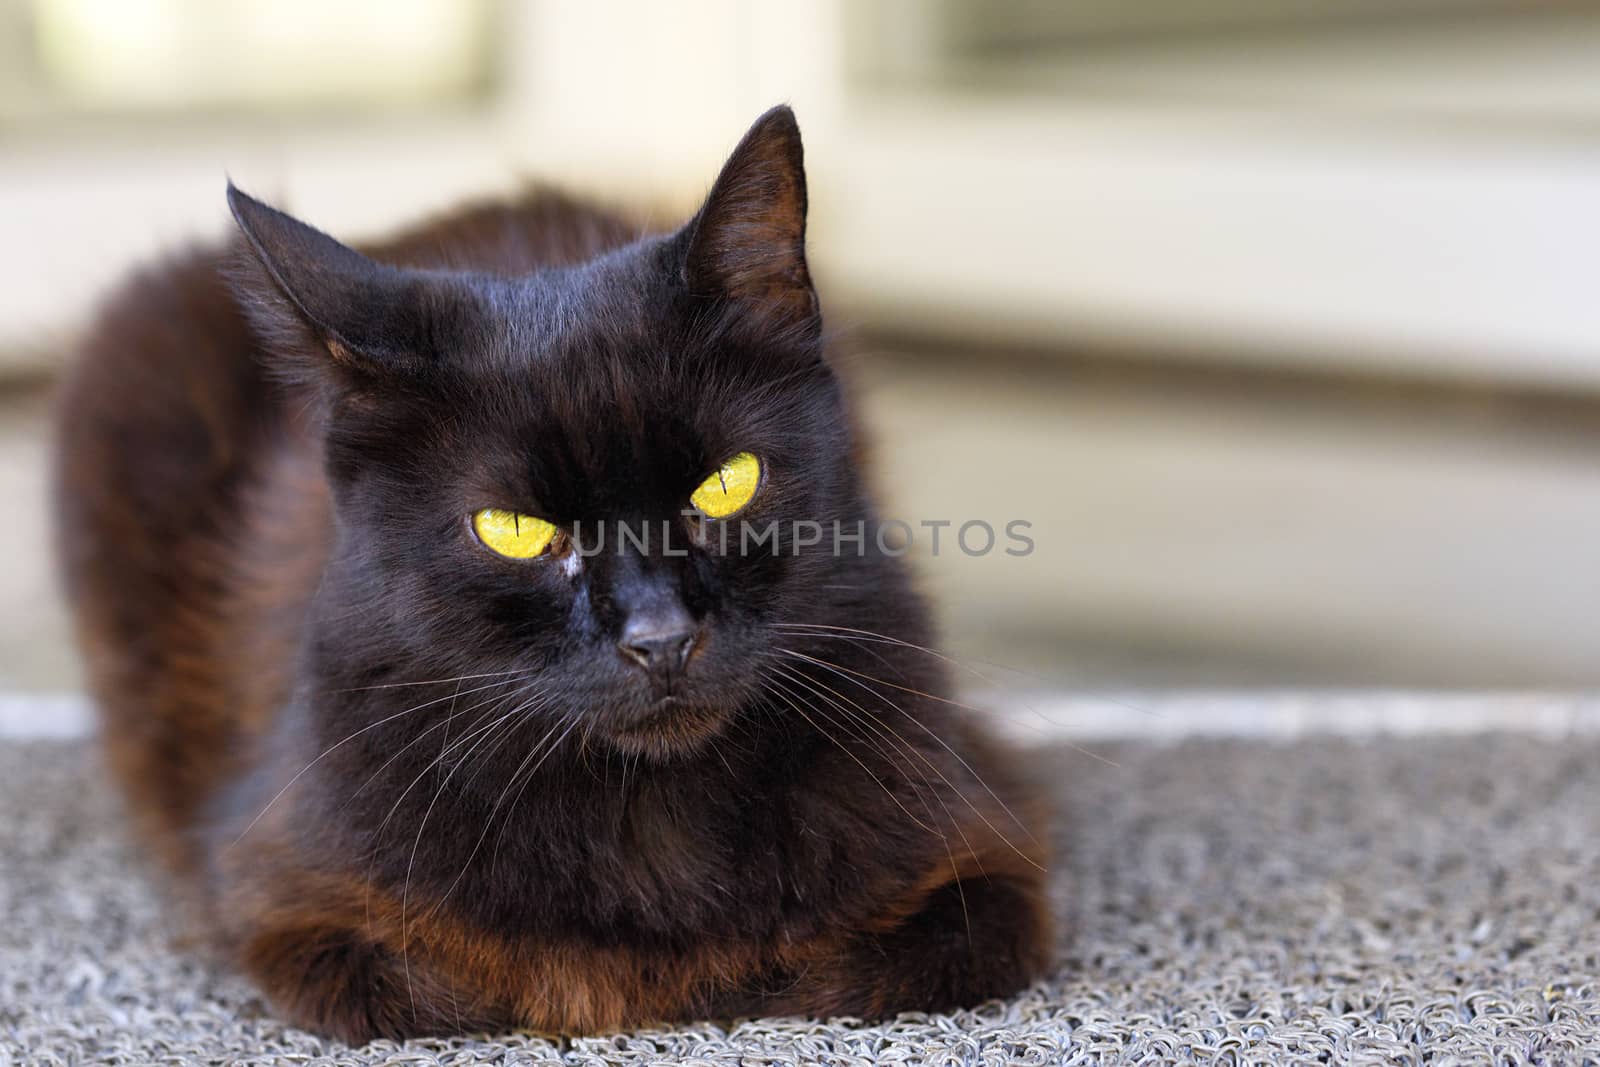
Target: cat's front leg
{"points": [[337, 981], [970, 940], [973, 939]]}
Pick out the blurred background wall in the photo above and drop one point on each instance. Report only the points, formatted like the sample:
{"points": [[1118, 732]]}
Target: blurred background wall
{"points": [[1277, 320]]}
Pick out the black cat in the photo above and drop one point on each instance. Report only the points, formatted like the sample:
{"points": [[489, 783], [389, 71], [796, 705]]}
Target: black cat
{"points": [[423, 751]]}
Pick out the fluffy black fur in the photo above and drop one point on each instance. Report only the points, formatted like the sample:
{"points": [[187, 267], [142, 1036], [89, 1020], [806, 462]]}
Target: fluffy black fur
{"points": [[421, 785]]}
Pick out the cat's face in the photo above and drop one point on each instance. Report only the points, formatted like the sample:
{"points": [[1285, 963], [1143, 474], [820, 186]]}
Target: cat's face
{"points": [[515, 462], [650, 623]]}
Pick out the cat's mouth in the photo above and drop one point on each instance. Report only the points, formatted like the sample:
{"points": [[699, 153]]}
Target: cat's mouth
{"points": [[671, 726]]}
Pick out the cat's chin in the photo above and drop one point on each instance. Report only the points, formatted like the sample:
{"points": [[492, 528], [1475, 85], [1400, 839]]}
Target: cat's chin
{"points": [[671, 729]]}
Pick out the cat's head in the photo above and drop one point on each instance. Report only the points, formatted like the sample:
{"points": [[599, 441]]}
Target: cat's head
{"points": [[512, 458]]}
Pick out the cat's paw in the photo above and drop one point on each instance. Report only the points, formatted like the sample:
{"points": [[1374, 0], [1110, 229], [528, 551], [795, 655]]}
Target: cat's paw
{"points": [[974, 940], [340, 984]]}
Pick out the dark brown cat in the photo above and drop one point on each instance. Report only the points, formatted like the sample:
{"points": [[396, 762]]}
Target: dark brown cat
{"points": [[430, 737]]}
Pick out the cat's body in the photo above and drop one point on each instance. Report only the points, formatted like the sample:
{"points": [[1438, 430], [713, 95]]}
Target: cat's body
{"points": [[409, 786]]}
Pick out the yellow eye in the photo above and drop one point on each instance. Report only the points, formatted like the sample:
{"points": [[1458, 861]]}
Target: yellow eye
{"points": [[730, 488], [513, 535]]}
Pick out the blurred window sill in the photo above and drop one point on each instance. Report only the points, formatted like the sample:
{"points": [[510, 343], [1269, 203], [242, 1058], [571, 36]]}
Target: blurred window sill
{"points": [[1290, 205]]}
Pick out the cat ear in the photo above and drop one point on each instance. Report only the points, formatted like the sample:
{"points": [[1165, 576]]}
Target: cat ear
{"points": [[748, 240], [369, 317]]}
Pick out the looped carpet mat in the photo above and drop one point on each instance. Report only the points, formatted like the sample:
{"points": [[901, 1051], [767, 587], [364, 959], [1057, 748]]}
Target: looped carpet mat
{"points": [[1426, 900]]}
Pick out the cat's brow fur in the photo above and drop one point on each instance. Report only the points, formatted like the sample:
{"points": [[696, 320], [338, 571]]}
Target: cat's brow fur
{"points": [[409, 786]]}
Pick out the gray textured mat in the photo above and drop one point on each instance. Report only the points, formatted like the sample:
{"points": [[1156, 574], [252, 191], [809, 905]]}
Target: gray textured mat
{"points": [[1426, 900]]}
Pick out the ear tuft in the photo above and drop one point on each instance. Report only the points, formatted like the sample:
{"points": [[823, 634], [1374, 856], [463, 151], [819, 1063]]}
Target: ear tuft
{"points": [[748, 240]]}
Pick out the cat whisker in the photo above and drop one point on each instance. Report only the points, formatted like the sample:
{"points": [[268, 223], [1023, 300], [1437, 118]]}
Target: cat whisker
{"points": [[330, 749], [853, 725], [943, 700], [847, 673], [863, 643], [810, 629], [443, 724], [488, 822], [481, 728], [865, 718], [427, 681], [485, 725], [943, 838], [525, 712], [850, 729], [405, 891], [954, 823], [527, 778], [717, 750], [787, 699]]}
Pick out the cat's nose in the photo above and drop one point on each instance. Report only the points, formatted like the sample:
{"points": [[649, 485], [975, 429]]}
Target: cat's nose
{"points": [[659, 643]]}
